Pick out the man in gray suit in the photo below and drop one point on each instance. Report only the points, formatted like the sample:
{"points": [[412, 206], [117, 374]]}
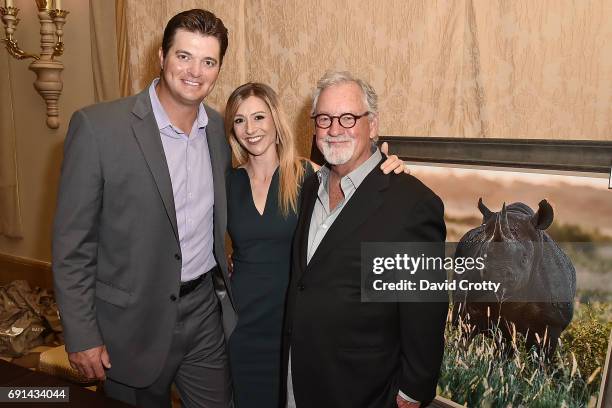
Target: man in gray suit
{"points": [[138, 242]]}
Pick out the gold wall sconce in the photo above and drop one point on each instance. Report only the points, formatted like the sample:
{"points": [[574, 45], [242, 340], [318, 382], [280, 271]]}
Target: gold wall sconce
{"points": [[48, 70]]}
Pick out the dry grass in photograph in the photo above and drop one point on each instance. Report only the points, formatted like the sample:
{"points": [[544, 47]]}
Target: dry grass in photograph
{"points": [[487, 371]]}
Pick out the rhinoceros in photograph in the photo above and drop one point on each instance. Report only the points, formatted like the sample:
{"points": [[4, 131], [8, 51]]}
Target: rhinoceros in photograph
{"points": [[538, 279]]}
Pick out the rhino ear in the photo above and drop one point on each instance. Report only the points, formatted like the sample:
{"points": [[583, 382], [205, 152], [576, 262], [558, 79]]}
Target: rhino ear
{"points": [[486, 213], [544, 216]]}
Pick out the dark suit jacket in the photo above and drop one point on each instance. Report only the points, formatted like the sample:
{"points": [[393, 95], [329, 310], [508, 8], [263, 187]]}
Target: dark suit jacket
{"points": [[116, 253], [346, 353]]}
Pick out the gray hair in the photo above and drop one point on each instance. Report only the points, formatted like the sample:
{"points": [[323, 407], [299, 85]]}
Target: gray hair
{"points": [[331, 78]]}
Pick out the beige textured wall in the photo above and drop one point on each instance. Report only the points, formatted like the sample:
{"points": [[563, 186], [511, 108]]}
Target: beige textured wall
{"points": [[464, 68], [546, 68], [39, 149]]}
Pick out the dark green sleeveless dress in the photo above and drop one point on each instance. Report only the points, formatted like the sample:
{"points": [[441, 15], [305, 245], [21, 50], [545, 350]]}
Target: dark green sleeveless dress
{"points": [[262, 254]]}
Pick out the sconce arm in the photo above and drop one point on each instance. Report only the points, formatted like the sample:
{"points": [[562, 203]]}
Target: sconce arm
{"points": [[58, 49], [13, 48]]}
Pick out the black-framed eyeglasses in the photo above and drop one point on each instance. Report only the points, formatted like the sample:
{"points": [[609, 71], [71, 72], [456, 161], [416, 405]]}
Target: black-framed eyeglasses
{"points": [[346, 120]]}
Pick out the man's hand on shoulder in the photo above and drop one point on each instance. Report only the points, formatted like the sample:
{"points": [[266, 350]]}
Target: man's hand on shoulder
{"points": [[91, 362], [402, 403]]}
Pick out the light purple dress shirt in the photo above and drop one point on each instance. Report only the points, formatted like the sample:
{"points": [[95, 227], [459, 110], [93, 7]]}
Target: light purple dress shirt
{"points": [[190, 169]]}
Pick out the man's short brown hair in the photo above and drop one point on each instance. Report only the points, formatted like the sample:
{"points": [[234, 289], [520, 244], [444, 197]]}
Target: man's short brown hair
{"points": [[196, 21]]}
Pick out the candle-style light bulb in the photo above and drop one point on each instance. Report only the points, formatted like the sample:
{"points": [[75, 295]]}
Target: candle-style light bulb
{"points": [[9, 3]]}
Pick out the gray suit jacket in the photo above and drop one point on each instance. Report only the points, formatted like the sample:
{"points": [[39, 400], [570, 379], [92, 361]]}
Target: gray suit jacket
{"points": [[116, 253]]}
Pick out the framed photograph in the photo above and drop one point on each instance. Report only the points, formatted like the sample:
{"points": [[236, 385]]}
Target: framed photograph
{"points": [[548, 351]]}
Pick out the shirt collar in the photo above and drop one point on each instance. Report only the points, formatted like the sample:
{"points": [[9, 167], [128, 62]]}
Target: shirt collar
{"points": [[161, 117]]}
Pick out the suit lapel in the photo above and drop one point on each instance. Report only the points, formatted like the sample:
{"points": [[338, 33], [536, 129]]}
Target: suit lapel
{"points": [[214, 138], [147, 135], [309, 194], [365, 201]]}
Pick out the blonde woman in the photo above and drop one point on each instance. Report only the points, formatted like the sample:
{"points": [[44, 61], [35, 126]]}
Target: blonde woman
{"points": [[263, 204]]}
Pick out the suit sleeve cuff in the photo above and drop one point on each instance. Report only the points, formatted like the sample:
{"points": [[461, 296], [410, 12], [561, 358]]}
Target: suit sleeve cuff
{"points": [[407, 398]]}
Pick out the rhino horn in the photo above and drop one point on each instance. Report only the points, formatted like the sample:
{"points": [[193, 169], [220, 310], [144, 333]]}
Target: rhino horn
{"points": [[498, 234], [486, 213], [504, 221], [544, 216]]}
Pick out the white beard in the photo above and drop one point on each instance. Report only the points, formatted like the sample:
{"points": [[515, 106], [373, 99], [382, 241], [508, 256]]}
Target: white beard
{"points": [[336, 155]]}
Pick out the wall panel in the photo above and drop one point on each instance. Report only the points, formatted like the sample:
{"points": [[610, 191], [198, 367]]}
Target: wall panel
{"points": [[462, 68]]}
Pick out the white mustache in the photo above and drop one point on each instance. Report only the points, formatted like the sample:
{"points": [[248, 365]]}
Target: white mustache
{"points": [[331, 139]]}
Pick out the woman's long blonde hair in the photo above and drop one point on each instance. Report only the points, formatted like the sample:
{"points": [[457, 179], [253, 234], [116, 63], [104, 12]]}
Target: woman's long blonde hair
{"points": [[291, 172]]}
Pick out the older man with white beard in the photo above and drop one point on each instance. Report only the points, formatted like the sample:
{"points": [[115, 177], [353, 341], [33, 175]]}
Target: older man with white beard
{"points": [[339, 351]]}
